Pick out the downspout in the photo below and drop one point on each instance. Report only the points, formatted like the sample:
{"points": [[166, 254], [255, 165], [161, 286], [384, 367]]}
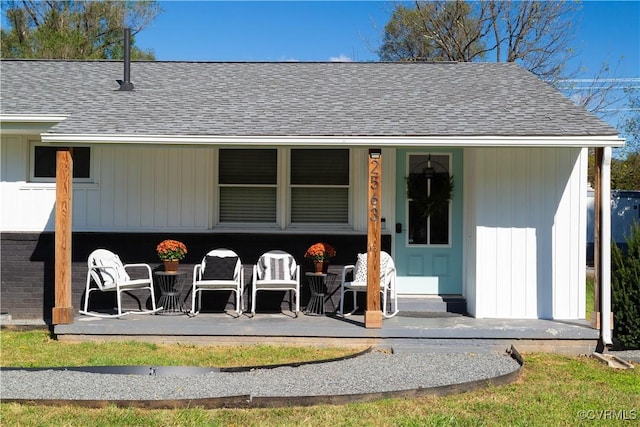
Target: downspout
{"points": [[605, 248]]}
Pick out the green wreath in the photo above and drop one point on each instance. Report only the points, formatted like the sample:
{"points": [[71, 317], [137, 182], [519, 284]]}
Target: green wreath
{"points": [[439, 197]]}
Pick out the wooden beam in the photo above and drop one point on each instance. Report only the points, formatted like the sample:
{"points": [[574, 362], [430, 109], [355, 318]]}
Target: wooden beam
{"points": [[63, 310], [373, 314]]}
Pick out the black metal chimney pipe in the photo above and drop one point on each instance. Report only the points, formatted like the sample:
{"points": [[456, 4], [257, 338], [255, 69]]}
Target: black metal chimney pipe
{"points": [[126, 84]]}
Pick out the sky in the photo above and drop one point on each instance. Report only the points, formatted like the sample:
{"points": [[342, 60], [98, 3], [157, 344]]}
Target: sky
{"points": [[348, 30], [207, 30]]}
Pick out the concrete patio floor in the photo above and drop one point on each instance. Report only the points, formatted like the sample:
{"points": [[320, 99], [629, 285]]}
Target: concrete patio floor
{"points": [[430, 332]]}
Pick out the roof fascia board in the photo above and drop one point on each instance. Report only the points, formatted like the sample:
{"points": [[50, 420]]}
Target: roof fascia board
{"points": [[365, 141], [33, 124], [31, 118]]}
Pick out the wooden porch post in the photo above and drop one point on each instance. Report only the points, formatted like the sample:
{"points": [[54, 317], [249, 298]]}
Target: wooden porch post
{"points": [[63, 311], [373, 314]]}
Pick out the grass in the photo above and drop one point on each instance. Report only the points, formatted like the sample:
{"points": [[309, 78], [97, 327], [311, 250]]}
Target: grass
{"points": [[37, 349], [590, 297], [553, 390]]}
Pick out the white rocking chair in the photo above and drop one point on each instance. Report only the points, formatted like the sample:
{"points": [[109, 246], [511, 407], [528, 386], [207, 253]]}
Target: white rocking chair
{"points": [[359, 283], [276, 271], [220, 270], [108, 274]]}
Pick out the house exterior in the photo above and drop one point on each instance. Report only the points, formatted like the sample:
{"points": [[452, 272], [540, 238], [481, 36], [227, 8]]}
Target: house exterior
{"points": [[258, 156]]}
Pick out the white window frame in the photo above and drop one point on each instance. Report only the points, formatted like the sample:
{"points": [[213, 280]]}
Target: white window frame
{"points": [[291, 186], [243, 224], [32, 164], [283, 198]]}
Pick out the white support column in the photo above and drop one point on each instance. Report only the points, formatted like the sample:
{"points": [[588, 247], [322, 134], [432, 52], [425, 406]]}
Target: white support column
{"points": [[605, 248]]}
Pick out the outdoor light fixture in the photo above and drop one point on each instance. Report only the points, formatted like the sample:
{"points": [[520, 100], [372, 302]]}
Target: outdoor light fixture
{"points": [[375, 153], [429, 172]]}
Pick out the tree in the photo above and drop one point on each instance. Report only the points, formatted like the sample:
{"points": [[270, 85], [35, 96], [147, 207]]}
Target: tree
{"points": [[432, 31], [631, 123], [535, 34], [625, 290], [625, 173], [74, 29], [625, 166]]}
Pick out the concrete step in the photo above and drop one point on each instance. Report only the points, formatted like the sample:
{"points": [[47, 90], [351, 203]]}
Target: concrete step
{"points": [[433, 304]]}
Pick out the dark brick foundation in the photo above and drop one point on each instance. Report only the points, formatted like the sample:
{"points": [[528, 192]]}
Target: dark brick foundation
{"points": [[27, 264]]}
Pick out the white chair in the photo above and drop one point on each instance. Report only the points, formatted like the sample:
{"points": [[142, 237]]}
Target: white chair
{"points": [[220, 270], [108, 274], [359, 283], [276, 271]]}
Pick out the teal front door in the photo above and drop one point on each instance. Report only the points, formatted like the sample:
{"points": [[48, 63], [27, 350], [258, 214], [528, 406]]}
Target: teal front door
{"points": [[428, 248]]}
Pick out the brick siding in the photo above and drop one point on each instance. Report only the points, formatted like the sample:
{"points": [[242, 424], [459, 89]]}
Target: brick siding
{"points": [[27, 262]]}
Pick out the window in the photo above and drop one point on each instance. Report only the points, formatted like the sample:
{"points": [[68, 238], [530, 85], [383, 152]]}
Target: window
{"points": [[320, 186], [248, 185], [43, 165], [250, 191], [429, 206]]}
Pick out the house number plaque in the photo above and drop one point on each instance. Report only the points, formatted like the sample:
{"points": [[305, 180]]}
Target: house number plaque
{"points": [[373, 314]]}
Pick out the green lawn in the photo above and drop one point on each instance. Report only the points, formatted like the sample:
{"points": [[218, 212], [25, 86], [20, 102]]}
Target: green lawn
{"points": [[553, 390], [589, 298]]}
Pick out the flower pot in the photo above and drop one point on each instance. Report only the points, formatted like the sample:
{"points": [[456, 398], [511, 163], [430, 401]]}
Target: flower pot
{"points": [[171, 266], [318, 266], [321, 266]]}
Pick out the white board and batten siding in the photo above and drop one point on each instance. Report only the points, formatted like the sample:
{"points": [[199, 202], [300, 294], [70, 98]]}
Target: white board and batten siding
{"points": [[525, 216], [135, 188]]}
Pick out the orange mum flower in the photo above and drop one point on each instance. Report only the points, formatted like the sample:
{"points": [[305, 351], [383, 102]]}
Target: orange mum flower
{"points": [[320, 252], [171, 249]]}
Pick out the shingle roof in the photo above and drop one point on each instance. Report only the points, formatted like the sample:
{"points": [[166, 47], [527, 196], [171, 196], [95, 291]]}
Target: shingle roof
{"points": [[294, 99]]}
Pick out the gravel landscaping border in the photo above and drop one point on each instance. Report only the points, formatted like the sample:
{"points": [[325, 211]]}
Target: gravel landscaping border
{"points": [[370, 376]]}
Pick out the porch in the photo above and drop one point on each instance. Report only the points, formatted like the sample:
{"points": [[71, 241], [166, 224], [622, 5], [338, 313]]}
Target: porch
{"points": [[432, 332]]}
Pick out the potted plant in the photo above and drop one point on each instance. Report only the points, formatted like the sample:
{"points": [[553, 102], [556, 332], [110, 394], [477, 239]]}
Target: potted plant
{"points": [[171, 252], [320, 254]]}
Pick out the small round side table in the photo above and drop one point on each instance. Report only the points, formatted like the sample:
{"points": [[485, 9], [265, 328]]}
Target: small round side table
{"points": [[170, 284]]}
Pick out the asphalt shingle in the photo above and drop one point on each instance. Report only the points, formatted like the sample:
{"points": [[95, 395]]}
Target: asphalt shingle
{"points": [[294, 99]]}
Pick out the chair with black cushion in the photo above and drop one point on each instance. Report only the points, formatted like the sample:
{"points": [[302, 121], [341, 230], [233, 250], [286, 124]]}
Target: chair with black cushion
{"points": [[220, 270], [358, 283], [106, 273], [276, 271]]}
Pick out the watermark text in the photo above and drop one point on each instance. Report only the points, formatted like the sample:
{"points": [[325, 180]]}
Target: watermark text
{"points": [[608, 414]]}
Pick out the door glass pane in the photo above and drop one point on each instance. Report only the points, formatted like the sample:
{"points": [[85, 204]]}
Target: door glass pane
{"points": [[429, 212], [417, 226], [439, 227]]}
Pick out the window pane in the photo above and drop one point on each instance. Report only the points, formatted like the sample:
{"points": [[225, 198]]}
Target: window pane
{"points": [[320, 205], [45, 162], [320, 167], [242, 204], [44, 165], [81, 162], [238, 166]]}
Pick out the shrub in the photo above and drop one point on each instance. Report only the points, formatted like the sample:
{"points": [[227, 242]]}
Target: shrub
{"points": [[625, 290]]}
